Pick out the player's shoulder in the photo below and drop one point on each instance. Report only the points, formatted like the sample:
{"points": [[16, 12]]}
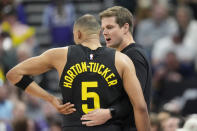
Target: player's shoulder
{"points": [[122, 62], [57, 50], [54, 53], [119, 54], [121, 57]]}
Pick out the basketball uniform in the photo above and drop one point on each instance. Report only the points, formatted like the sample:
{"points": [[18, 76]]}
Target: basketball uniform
{"points": [[90, 81]]}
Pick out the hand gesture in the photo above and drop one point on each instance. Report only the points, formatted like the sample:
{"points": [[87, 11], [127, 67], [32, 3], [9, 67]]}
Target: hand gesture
{"points": [[96, 117], [65, 109]]}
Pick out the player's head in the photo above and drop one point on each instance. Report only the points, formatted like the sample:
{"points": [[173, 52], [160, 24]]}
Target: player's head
{"points": [[116, 22], [84, 27]]}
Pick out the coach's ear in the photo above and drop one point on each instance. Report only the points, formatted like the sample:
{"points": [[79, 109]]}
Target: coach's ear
{"points": [[126, 28]]}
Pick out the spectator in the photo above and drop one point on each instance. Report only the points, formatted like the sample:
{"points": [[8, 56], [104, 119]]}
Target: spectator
{"points": [[55, 125], [190, 3], [182, 41], [190, 124], [59, 17], [18, 5], [24, 52], [170, 71], [188, 25], [19, 110], [6, 106], [155, 124], [20, 120], [170, 124], [19, 32], [158, 26], [7, 54], [34, 107], [2, 76], [20, 11], [179, 103], [20, 124]]}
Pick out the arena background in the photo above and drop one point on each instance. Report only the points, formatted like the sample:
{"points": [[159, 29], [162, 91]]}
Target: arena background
{"points": [[165, 28]]}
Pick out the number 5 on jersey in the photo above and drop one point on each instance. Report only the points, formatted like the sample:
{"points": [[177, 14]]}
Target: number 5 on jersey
{"points": [[86, 95]]}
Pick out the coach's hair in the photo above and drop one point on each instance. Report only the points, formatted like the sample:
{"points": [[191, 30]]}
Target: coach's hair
{"points": [[88, 23], [122, 15]]}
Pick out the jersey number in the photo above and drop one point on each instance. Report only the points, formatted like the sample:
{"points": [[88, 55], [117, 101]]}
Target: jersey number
{"points": [[86, 95]]}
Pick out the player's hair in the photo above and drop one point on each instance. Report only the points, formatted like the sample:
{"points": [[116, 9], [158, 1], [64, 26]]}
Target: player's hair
{"points": [[88, 23], [122, 15]]}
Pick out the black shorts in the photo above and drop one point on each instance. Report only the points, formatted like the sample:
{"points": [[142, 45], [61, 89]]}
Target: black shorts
{"points": [[94, 128]]}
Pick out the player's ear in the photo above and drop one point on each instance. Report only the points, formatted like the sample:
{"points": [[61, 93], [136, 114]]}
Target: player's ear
{"points": [[79, 34], [126, 28]]}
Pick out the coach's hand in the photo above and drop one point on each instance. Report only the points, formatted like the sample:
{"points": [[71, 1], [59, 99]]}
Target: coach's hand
{"points": [[96, 117], [66, 108]]}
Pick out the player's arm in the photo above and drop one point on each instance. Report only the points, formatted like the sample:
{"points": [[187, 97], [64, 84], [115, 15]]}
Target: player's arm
{"points": [[134, 91], [32, 66], [20, 76], [141, 70], [101, 116]]}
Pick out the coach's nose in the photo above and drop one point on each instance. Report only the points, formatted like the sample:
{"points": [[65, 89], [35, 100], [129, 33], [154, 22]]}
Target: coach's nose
{"points": [[105, 32]]}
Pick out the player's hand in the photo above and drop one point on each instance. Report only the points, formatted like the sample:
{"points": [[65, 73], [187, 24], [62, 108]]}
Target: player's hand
{"points": [[65, 109], [96, 117]]}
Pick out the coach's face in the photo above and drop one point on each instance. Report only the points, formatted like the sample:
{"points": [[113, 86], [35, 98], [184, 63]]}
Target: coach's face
{"points": [[112, 32]]}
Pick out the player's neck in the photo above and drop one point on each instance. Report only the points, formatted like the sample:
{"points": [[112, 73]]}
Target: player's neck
{"points": [[92, 43], [127, 40]]}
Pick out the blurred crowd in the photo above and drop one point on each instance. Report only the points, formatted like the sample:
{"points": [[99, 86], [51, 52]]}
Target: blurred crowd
{"points": [[165, 28]]}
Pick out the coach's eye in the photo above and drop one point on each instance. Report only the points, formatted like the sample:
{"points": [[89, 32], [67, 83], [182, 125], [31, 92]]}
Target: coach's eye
{"points": [[109, 27]]}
